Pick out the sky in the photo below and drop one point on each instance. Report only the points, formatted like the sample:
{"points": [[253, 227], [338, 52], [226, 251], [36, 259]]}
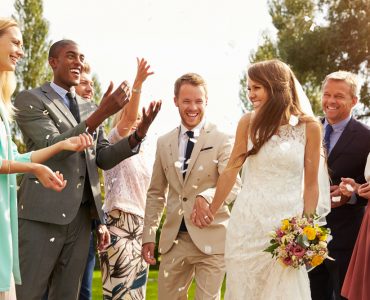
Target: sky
{"points": [[211, 37]]}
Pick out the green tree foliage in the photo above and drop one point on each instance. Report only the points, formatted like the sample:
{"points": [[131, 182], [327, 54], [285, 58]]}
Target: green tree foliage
{"points": [[33, 69], [317, 37]]}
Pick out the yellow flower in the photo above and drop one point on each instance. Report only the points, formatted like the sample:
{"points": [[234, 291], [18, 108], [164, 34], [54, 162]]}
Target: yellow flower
{"points": [[317, 260], [310, 233], [285, 225], [323, 237]]}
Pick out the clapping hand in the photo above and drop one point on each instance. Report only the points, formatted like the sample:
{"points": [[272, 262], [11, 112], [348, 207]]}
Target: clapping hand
{"points": [[49, 179], [348, 186], [78, 143], [201, 215], [148, 117], [103, 237]]}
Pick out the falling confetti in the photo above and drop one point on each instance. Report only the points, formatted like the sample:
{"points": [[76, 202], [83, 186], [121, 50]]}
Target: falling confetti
{"points": [[307, 18], [349, 188], [165, 274], [195, 186], [37, 182], [21, 207], [215, 161], [312, 27], [47, 137], [193, 140], [207, 249], [52, 240], [181, 212], [178, 164], [335, 198], [63, 215], [31, 106], [45, 112], [181, 289], [176, 241], [79, 185], [200, 168], [196, 132]]}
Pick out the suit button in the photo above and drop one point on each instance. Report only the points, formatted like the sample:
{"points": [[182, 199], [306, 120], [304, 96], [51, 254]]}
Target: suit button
{"points": [[184, 199]]}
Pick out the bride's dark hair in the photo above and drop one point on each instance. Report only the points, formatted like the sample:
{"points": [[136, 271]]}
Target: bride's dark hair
{"points": [[279, 81]]}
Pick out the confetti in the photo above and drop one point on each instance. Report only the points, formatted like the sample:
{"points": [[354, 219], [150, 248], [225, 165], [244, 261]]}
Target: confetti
{"points": [[37, 182], [193, 140], [195, 186], [160, 198], [47, 137], [207, 249], [63, 215], [178, 164], [165, 274], [181, 212], [21, 207], [31, 106], [349, 188], [201, 168], [176, 241], [79, 185], [307, 18], [45, 112], [52, 240], [293, 120], [312, 27], [181, 289], [335, 198], [196, 132], [215, 161]]}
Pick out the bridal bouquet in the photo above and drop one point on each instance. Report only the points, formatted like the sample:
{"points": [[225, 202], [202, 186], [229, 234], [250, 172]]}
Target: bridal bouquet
{"points": [[299, 242]]}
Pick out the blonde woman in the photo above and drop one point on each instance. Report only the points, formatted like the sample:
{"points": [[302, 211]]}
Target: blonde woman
{"points": [[11, 162], [124, 272]]}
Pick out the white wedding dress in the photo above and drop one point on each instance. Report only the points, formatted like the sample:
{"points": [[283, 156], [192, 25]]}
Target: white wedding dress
{"points": [[272, 191]]}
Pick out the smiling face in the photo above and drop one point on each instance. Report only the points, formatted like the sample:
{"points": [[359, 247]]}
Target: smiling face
{"points": [[337, 100], [10, 48], [85, 89], [257, 94], [67, 66], [191, 102]]}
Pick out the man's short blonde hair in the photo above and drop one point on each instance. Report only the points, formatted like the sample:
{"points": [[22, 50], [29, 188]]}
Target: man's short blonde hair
{"points": [[347, 77]]}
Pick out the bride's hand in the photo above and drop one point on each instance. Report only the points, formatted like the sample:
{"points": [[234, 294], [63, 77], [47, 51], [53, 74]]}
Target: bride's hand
{"points": [[78, 143], [201, 215]]}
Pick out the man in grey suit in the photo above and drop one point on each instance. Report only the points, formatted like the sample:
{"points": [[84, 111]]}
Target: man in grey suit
{"points": [[54, 227]]}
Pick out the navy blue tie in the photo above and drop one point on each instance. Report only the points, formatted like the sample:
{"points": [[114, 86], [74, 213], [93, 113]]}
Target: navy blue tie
{"points": [[73, 106], [328, 131], [189, 149]]}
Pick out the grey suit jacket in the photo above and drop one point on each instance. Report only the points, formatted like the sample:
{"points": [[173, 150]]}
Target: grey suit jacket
{"points": [[45, 120]]}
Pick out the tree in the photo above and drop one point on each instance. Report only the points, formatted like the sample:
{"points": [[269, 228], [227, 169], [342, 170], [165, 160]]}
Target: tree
{"points": [[317, 37]]}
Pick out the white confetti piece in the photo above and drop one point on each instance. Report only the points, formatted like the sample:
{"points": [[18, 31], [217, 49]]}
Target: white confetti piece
{"points": [[201, 168], [114, 179], [176, 241], [312, 27], [349, 188], [31, 106], [45, 112], [335, 198], [215, 161], [194, 186], [182, 263], [21, 207], [63, 215], [196, 132], [207, 249], [307, 18], [293, 120], [60, 121], [165, 273], [193, 140], [52, 240], [37, 182], [188, 161], [178, 164], [181, 212], [181, 289], [79, 185], [47, 137]]}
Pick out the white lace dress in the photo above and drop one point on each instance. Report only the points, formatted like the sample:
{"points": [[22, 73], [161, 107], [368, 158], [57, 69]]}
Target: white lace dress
{"points": [[272, 191]]}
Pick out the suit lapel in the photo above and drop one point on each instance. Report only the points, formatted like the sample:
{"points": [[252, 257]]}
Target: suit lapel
{"points": [[344, 140], [173, 142], [197, 147], [57, 101]]}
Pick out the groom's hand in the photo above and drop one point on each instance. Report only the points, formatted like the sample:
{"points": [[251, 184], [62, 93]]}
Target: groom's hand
{"points": [[201, 215], [147, 251]]}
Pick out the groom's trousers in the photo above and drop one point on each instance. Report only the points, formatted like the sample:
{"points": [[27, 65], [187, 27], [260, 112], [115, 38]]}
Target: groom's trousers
{"points": [[184, 262]]}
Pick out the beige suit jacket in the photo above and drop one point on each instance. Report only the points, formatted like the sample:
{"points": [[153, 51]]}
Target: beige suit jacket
{"points": [[169, 190]]}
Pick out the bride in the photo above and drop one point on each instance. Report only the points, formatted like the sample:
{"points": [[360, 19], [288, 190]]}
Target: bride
{"points": [[278, 146]]}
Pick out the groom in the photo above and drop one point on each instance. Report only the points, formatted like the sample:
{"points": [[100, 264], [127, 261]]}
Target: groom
{"points": [[188, 162]]}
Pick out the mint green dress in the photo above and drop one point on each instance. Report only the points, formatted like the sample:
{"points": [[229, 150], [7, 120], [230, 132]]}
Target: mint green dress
{"points": [[9, 260]]}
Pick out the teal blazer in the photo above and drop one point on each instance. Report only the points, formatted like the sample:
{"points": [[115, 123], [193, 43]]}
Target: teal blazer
{"points": [[9, 260]]}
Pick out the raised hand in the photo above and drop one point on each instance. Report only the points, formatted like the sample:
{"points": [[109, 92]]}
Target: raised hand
{"points": [[49, 179], [201, 215], [147, 253], [148, 117], [111, 103], [142, 71], [78, 143]]}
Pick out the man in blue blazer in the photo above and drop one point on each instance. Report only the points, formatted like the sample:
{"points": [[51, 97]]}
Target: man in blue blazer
{"points": [[348, 143]]}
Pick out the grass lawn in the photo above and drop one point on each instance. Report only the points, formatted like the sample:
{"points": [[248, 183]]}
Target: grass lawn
{"points": [[151, 289]]}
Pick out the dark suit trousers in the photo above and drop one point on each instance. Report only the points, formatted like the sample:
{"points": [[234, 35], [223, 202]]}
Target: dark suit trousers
{"points": [[326, 280], [53, 255]]}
